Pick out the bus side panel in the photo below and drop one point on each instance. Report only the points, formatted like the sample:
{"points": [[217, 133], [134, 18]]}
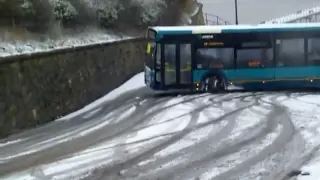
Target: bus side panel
{"points": [[246, 78], [288, 77], [254, 78], [316, 76]]}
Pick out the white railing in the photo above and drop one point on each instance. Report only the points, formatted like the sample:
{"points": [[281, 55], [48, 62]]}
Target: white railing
{"points": [[211, 19], [302, 14]]}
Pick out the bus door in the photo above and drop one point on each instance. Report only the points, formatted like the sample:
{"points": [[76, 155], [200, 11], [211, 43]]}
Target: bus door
{"points": [[184, 65], [169, 65], [177, 65]]}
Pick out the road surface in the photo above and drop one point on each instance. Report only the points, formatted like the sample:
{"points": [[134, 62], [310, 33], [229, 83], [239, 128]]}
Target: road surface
{"points": [[255, 11], [145, 136]]}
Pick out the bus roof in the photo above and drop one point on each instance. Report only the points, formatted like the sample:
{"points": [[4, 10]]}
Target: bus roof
{"points": [[236, 28]]}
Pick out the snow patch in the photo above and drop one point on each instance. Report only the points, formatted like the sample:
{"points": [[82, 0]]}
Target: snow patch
{"points": [[306, 117], [210, 114], [135, 82], [92, 113], [234, 160], [178, 124], [313, 169], [11, 142], [32, 46]]}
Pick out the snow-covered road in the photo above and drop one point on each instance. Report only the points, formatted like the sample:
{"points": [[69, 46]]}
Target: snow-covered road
{"points": [[142, 135]]}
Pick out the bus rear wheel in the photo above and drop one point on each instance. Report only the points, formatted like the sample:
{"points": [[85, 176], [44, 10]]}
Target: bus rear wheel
{"points": [[213, 84]]}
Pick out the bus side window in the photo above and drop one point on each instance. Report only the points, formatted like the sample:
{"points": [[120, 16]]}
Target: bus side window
{"points": [[227, 57], [150, 50], [255, 57], [290, 52], [314, 51], [214, 57]]}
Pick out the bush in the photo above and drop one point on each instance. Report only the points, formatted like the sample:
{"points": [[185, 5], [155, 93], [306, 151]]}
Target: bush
{"points": [[151, 11], [64, 11], [31, 14], [108, 13], [86, 15]]}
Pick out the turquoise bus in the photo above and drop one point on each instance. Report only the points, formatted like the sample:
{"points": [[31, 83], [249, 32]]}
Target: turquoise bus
{"points": [[212, 58]]}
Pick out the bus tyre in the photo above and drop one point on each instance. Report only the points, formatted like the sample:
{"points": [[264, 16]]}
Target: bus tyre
{"points": [[213, 84]]}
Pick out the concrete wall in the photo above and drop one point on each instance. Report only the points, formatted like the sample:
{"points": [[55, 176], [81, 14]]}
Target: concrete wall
{"points": [[37, 88]]}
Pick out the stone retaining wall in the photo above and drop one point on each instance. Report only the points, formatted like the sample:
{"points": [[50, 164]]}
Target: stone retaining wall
{"points": [[35, 89]]}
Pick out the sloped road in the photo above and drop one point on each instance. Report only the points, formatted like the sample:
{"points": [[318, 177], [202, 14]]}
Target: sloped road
{"points": [[144, 136]]}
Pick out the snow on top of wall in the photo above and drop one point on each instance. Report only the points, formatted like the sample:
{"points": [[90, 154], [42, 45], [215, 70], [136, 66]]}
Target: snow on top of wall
{"points": [[31, 46]]}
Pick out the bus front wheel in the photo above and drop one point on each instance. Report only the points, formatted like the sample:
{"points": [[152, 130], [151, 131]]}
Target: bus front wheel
{"points": [[213, 84]]}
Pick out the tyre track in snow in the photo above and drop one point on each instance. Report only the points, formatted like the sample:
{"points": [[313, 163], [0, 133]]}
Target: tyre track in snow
{"points": [[191, 169], [196, 149], [65, 148], [281, 147], [75, 123], [278, 115], [190, 162], [78, 143], [112, 171], [213, 135], [78, 119], [307, 148]]}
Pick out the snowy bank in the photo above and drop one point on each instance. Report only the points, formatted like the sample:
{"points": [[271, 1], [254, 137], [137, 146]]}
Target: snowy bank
{"points": [[135, 82], [33, 46]]}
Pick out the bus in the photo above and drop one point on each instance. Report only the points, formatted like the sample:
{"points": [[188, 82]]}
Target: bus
{"points": [[213, 58]]}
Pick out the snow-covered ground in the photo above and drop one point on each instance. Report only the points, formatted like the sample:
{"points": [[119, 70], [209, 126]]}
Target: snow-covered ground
{"points": [[133, 83], [245, 135], [311, 167]]}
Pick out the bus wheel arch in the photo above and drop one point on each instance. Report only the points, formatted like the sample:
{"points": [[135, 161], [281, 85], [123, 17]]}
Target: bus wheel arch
{"points": [[213, 82]]}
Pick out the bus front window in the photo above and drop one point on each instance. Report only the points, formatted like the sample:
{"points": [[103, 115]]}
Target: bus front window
{"points": [[150, 49]]}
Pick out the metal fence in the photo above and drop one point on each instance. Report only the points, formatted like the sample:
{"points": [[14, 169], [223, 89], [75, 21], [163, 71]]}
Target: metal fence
{"points": [[211, 19], [307, 15]]}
